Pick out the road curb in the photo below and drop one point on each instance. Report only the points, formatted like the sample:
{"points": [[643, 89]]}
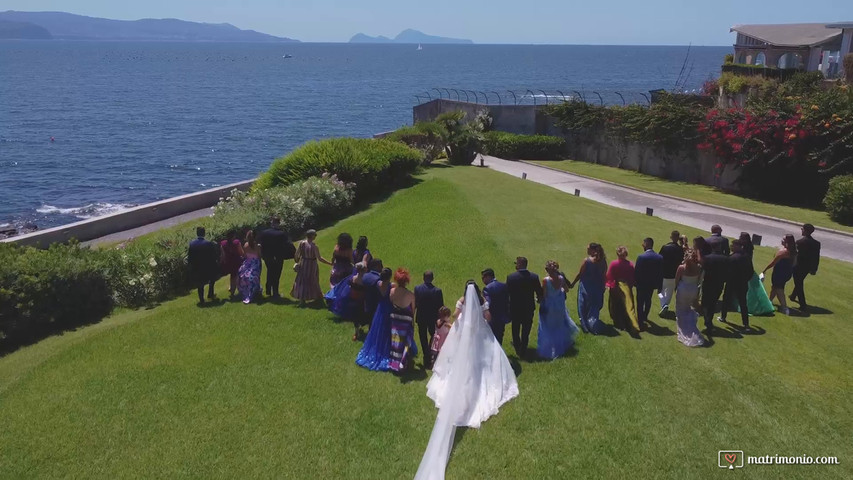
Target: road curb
{"points": [[681, 199]]}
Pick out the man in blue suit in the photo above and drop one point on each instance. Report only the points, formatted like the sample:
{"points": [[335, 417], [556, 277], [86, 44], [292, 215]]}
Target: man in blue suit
{"points": [[371, 291], [648, 276], [428, 300], [203, 260], [497, 294]]}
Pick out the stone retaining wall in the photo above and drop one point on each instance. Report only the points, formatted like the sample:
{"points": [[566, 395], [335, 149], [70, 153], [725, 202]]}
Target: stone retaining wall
{"points": [[127, 219]]}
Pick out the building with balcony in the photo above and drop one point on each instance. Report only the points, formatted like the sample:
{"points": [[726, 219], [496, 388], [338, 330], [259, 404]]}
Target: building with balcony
{"points": [[802, 46]]}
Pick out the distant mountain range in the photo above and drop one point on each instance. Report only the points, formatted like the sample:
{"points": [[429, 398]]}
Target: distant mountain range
{"points": [[67, 26], [408, 36]]}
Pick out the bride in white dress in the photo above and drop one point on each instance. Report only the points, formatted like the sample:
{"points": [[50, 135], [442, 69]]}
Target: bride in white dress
{"points": [[470, 381], [686, 292]]}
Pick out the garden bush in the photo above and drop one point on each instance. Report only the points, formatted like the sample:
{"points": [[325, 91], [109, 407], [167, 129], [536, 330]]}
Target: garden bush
{"points": [[462, 140], [47, 291], [839, 199], [528, 147], [372, 165], [427, 137]]}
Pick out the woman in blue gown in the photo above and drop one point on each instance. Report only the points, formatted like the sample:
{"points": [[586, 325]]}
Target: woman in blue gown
{"points": [[590, 280], [376, 352], [557, 331]]}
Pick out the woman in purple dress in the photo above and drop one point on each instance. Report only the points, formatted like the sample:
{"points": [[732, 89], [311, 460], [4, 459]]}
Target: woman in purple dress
{"points": [[341, 259], [361, 253], [250, 270]]}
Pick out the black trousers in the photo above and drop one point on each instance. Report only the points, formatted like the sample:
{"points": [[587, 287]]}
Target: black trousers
{"points": [[736, 291], [644, 303], [522, 322], [799, 295], [710, 294], [209, 290], [426, 330], [274, 267], [498, 326]]}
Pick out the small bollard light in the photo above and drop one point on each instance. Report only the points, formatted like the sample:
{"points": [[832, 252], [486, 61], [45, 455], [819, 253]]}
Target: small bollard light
{"points": [[756, 239], [524, 175], [650, 211], [577, 192]]}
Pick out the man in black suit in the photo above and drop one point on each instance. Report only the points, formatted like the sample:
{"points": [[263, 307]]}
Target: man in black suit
{"points": [[371, 291], [673, 255], [275, 248], [522, 286], [716, 268], [717, 238], [497, 294], [808, 259], [648, 277], [737, 285], [428, 300], [203, 260]]}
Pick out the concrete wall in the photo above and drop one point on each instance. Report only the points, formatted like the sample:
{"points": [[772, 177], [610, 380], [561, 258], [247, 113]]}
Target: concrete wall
{"points": [[128, 219], [685, 166]]}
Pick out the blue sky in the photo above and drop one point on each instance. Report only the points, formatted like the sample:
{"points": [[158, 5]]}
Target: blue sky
{"points": [[646, 22]]}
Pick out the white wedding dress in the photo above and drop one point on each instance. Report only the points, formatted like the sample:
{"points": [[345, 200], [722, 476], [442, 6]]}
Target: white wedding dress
{"points": [[470, 381]]}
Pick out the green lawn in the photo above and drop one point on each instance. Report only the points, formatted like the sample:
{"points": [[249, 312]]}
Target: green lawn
{"points": [[693, 191], [272, 391]]}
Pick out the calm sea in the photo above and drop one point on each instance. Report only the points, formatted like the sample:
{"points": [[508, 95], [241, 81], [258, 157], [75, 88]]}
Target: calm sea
{"points": [[132, 123]]}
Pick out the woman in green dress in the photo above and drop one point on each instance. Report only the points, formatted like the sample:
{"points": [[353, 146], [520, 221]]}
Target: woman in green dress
{"points": [[756, 297]]}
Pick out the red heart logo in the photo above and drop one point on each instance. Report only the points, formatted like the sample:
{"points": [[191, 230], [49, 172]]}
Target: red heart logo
{"points": [[731, 457]]}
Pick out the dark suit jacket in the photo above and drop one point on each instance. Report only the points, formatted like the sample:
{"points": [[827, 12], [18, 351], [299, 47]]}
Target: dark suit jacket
{"points": [[497, 294], [648, 270], [522, 286], [203, 259], [716, 268], [673, 255], [808, 254], [718, 239], [371, 291], [276, 244], [428, 299], [740, 268]]}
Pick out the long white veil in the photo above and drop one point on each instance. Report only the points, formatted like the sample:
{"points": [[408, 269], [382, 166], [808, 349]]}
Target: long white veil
{"points": [[471, 379]]}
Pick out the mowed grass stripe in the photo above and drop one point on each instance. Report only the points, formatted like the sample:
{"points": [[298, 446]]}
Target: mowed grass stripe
{"points": [[272, 391]]}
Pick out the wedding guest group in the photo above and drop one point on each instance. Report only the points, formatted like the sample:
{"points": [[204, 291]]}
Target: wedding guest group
{"points": [[702, 277]]}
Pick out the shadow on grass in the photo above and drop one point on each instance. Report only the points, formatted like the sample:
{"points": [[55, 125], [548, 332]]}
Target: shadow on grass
{"points": [[412, 375], [809, 311], [213, 303], [658, 330]]}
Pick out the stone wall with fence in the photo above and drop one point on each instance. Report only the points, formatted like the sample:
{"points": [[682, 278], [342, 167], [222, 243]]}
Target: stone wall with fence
{"points": [[690, 166]]}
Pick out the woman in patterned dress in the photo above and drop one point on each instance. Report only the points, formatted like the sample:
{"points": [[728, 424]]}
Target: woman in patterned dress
{"points": [[306, 287]]}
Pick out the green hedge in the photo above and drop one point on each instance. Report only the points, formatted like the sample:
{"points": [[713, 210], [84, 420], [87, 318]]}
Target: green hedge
{"points": [[526, 147], [372, 165], [48, 291], [839, 199], [427, 137]]}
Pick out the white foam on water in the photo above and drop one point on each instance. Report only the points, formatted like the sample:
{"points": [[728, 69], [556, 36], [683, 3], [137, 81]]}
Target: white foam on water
{"points": [[91, 210]]}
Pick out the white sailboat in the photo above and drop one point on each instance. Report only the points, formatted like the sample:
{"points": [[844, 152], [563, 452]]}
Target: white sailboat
{"points": [[420, 47]]}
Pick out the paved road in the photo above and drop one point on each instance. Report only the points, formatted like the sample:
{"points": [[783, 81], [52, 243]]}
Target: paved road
{"points": [[833, 245], [151, 227]]}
